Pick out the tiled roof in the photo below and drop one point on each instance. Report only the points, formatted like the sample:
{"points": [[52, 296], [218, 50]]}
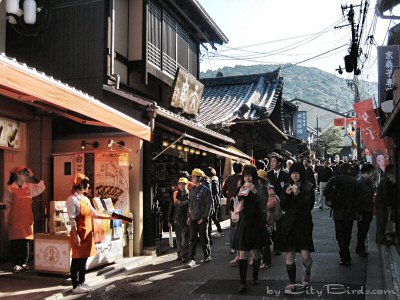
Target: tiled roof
{"points": [[246, 97]]}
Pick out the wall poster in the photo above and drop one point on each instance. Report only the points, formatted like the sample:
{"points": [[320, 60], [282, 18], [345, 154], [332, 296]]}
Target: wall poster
{"points": [[10, 135]]}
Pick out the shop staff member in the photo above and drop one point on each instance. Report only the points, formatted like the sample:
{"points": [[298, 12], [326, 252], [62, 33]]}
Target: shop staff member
{"points": [[18, 196], [80, 212]]}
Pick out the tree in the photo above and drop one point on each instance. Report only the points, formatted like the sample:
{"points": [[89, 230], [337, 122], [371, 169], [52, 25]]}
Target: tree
{"points": [[329, 142]]}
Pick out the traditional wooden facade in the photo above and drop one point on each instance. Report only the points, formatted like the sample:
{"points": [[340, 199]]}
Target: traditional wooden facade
{"points": [[126, 53]]}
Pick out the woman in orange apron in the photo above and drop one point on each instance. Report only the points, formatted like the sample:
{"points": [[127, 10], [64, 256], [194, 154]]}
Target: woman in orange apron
{"points": [[18, 196], [81, 212]]}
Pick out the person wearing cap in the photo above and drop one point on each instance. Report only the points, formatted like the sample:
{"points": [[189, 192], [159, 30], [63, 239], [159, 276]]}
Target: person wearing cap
{"points": [[22, 187], [297, 201], [177, 217], [278, 178], [80, 213], [199, 211]]}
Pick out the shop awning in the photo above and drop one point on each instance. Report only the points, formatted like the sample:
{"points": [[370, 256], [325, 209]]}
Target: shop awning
{"points": [[25, 84], [230, 152]]}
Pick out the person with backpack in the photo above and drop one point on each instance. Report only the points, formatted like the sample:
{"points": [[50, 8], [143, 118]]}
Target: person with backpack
{"points": [[213, 184], [177, 217], [297, 226], [366, 209], [341, 194], [230, 189]]}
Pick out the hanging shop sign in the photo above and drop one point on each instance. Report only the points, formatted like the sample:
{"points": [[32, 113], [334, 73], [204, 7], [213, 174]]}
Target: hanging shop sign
{"points": [[370, 131], [388, 58], [187, 92], [112, 178], [10, 133], [300, 125]]}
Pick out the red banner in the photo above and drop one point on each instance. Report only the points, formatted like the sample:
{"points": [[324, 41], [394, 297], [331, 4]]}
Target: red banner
{"points": [[370, 133]]}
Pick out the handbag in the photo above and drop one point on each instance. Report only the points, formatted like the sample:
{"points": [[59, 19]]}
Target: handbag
{"points": [[390, 225]]}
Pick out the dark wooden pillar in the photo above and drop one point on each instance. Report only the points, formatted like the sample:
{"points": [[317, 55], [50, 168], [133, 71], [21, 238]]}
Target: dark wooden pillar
{"points": [[148, 225]]}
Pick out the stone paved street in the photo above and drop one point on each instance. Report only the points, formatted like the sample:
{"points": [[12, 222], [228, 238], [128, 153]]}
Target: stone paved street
{"points": [[167, 279]]}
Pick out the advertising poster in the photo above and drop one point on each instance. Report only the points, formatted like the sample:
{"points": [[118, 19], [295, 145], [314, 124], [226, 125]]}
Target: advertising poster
{"points": [[112, 178], [370, 132], [10, 133]]}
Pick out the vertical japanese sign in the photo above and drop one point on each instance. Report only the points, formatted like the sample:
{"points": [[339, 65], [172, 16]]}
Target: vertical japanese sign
{"points": [[300, 125], [370, 132], [112, 178], [79, 163], [388, 58]]}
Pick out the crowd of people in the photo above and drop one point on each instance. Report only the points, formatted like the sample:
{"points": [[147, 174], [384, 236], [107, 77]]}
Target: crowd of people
{"points": [[271, 202], [268, 205]]}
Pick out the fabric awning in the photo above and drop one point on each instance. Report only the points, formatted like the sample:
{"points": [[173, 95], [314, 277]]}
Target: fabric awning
{"points": [[230, 152], [25, 84]]}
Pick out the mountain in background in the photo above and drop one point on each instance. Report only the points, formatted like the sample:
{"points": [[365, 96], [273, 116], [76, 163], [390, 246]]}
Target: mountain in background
{"points": [[310, 84]]}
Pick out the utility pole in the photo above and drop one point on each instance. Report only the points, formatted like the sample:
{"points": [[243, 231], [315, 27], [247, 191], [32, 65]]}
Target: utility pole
{"points": [[351, 60], [317, 146]]}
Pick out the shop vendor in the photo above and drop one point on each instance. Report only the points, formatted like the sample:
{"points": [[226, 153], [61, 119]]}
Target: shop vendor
{"points": [[22, 187], [81, 212]]}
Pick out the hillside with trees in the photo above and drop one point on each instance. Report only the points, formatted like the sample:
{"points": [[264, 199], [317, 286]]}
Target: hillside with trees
{"points": [[310, 84]]}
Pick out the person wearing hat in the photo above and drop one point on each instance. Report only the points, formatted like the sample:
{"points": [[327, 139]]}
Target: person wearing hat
{"points": [[81, 212], [22, 187], [297, 201], [199, 211], [177, 217]]}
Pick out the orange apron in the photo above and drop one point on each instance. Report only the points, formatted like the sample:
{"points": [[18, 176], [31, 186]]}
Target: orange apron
{"points": [[85, 231], [20, 222]]}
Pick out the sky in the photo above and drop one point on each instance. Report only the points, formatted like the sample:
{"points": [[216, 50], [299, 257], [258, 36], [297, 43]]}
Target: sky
{"points": [[290, 31]]}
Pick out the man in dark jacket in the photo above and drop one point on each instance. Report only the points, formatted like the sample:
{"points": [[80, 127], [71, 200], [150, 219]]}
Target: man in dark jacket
{"points": [[177, 217], [346, 188], [366, 209], [309, 172], [277, 178], [200, 204], [324, 174], [212, 182]]}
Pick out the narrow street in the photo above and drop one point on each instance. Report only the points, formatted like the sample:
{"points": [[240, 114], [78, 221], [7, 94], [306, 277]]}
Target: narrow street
{"points": [[167, 279]]}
